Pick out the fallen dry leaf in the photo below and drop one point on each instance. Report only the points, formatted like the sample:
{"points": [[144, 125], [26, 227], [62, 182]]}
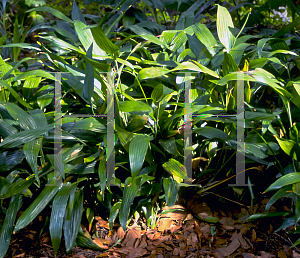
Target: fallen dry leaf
{"points": [[101, 222], [120, 233], [137, 252], [231, 248]]}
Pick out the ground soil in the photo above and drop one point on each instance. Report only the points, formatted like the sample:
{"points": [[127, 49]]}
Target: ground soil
{"points": [[199, 228]]}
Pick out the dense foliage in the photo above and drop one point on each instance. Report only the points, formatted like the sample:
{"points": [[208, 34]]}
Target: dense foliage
{"points": [[145, 59]]}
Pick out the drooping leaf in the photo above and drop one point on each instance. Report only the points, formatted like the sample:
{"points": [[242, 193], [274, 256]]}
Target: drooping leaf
{"points": [[22, 137], [131, 188], [7, 227], [137, 152], [54, 12], [72, 220], [176, 169], [206, 37], [88, 87], [36, 206], [288, 179], [31, 150], [268, 215], [171, 190], [57, 215], [152, 72], [15, 188], [104, 43]]}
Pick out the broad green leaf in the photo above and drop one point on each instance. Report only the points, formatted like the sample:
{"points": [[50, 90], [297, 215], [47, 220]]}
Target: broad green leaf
{"points": [[160, 92], [211, 133], [56, 42], [10, 159], [136, 123], [225, 27], [131, 189], [260, 45], [268, 215], [171, 191], [287, 28], [6, 76], [179, 41], [88, 87], [195, 67], [76, 13], [260, 62], [36, 206], [21, 117], [206, 37], [294, 89], [57, 215], [86, 38], [137, 151], [90, 124], [137, 106], [146, 35], [297, 210], [6, 129], [54, 12], [102, 175], [104, 43], [22, 137], [113, 214], [169, 145], [229, 65], [176, 169], [21, 45], [152, 72], [282, 51], [85, 242], [44, 100], [8, 223], [15, 188], [288, 147], [15, 94], [31, 150], [288, 222], [72, 223], [288, 179], [279, 194], [38, 72]]}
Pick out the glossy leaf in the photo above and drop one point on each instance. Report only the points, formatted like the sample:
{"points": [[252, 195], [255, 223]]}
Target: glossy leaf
{"points": [[288, 179], [57, 215], [152, 72], [22, 137], [171, 190], [176, 169], [72, 223], [134, 106], [137, 152], [31, 150], [268, 215], [224, 27], [131, 189], [7, 227], [36, 206]]}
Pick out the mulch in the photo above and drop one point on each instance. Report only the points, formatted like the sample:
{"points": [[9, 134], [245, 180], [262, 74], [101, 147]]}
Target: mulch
{"points": [[198, 229]]}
